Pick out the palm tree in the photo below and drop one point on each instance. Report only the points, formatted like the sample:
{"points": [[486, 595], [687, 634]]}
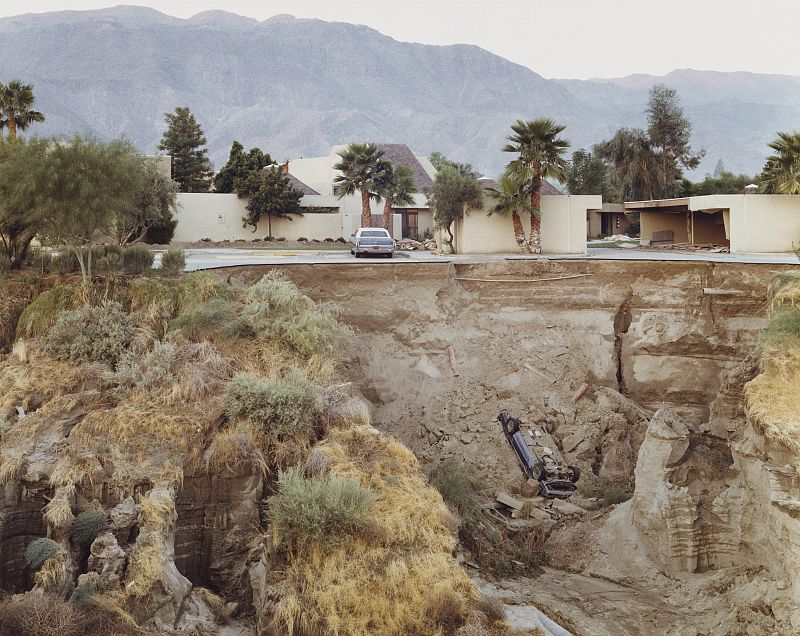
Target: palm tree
{"points": [[540, 156], [16, 100], [360, 168], [781, 173], [397, 187], [509, 199]]}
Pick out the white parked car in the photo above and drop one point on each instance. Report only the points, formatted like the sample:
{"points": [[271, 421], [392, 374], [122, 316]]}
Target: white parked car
{"points": [[372, 240]]}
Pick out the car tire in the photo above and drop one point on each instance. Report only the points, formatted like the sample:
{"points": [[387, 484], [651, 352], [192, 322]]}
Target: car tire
{"points": [[357, 254], [510, 426], [352, 253], [576, 474]]}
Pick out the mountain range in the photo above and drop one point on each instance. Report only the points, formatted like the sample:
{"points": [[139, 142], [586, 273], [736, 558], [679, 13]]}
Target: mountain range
{"points": [[295, 87]]}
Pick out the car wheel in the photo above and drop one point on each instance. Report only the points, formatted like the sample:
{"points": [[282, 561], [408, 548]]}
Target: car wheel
{"points": [[576, 473], [357, 254], [352, 252], [510, 426]]}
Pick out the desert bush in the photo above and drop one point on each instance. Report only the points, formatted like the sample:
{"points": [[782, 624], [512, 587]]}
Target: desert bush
{"points": [[318, 510], [215, 317], [491, 607], [65, 262], [39, 258], [282, 409], [15, 296], [446, 609], [82, 594], [460, 488], [5, 425], [137, 260], [173, 261], [277, 309], [198, 287], [39, 550], [87, 525], [607, 493], [784, 323], [42, 313], [153, 303], [150, 369], [98, 334]]}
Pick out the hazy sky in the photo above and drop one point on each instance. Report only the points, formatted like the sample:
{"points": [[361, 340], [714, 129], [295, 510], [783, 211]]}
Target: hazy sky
{"points": [[566, 38]]}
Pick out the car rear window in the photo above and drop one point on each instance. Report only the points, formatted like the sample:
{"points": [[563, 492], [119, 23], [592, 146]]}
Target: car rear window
{"points": [[381, 233]]}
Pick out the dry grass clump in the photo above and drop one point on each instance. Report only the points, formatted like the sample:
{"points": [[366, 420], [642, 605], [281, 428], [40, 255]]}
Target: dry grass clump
{"points": [[153, 368], [14, 297], [154, 302], [198, 287], [210, 320], [460, 487], [222, 611], [97, 334], [147, 557], [47, 615], [773, 396], [399, 578], [58, 511], [240, 446], [53, 574]]}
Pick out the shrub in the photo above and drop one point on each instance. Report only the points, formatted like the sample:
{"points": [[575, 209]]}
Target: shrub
{"points": [[98, 334], [340, 240], [277, 309], [460, 488], [607, 493], [173, 261], [65, 262], [39, 550], [39, 258], [82, 593], [154, 302], [446, 609], [42, 313], [491, 607], [302, 239], [198, 287], [137, 260], [310, 510], [151, 369], [105, 258], [282, 410], [785, 322], [87, 525], [161, 232], [212, 317]]}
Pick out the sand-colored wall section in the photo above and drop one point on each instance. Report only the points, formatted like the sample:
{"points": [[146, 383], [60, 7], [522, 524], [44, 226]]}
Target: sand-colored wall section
{"points": [[651, 222], [764, 222], [563, 227]]}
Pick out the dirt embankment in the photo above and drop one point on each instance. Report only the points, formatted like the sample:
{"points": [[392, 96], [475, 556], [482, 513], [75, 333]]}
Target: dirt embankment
{"points": [[440, 349]]}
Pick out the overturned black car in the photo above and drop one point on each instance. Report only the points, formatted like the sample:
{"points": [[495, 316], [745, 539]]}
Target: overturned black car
{"points": [[540, 458]]}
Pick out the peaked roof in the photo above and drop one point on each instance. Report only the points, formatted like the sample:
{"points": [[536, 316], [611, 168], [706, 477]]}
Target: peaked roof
{"points": [[299, 185], [401, 155], [548, 189]]}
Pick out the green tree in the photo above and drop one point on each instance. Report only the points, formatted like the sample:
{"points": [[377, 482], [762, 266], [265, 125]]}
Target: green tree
{"points": [[396, 186], [631, 155], [155, 203], [239, 166], [540, 155], [439, 161], [587, 174], [360, 167], [508, 200], [21, 216], [724, 183], [669, 133], [83, 187], [16, 107], [449, 196], [781, 174], [269, 192], [185, 142]]}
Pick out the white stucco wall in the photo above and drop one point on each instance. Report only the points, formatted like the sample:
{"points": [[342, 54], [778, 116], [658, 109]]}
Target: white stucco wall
{"points": [[219, 217], [563, 228], [758, 222]]}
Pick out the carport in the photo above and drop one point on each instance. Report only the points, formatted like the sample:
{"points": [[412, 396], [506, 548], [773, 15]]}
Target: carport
{"points": [[683, 220]]}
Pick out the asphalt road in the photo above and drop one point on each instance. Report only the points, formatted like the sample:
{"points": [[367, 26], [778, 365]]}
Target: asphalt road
{"points": [[229, 257]]}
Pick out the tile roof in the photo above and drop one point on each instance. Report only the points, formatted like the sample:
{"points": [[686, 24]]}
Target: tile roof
{"points": [[548, 189], [401, 155]]}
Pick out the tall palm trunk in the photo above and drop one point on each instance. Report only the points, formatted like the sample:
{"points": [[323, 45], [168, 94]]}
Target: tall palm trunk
{"points": [[536, 217], [519, 233], [12, 127], [366, 212], [387, 215]]}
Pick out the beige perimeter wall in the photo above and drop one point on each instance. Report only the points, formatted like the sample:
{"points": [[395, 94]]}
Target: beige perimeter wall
{"points": [[761, 222], [563, 228], [218, 217]]}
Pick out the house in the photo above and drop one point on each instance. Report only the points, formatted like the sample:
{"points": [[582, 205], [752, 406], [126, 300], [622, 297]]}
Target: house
{"points": [[608, 220], [746, 222], [317, 174]]}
